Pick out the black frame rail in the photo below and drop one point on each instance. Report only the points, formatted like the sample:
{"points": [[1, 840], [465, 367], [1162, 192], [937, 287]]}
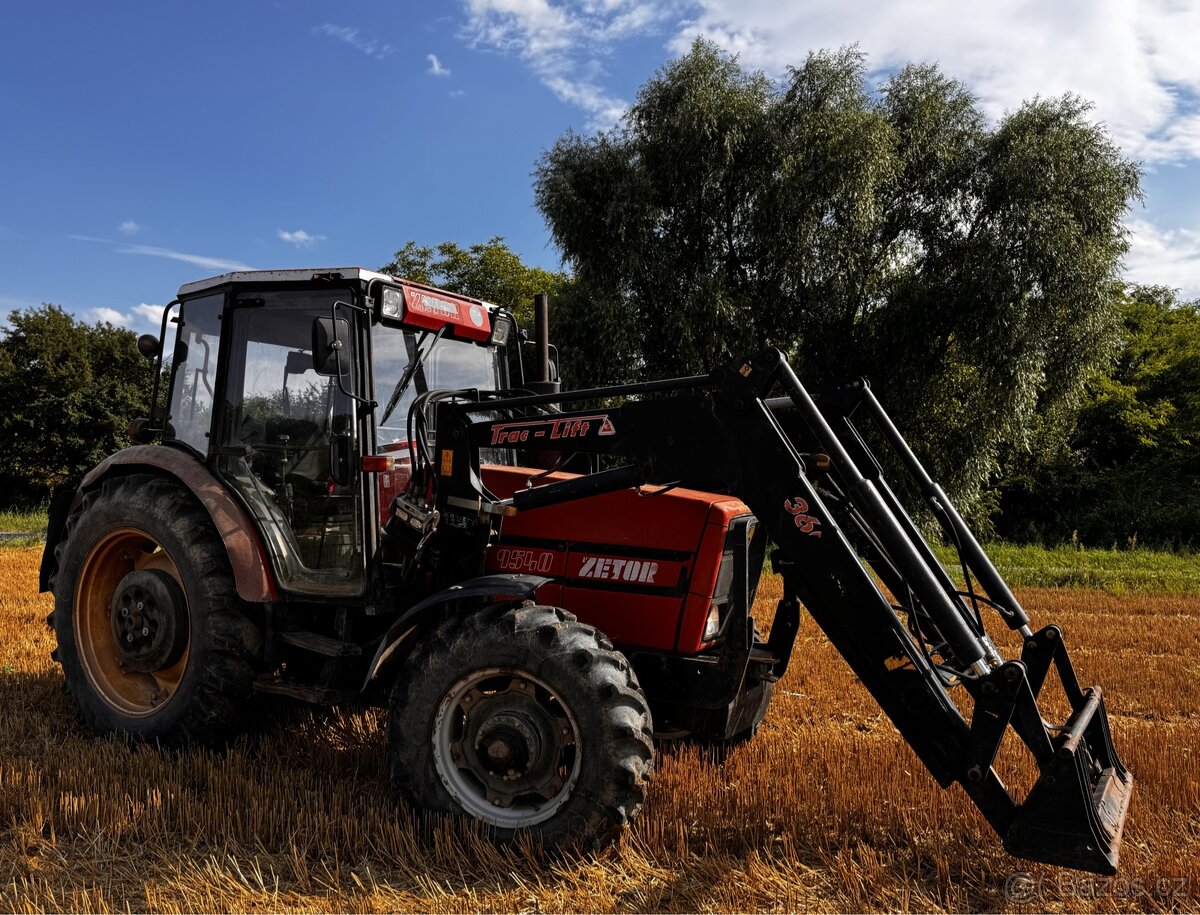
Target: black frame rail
{"points": [[908, 632], [1075, 813]]}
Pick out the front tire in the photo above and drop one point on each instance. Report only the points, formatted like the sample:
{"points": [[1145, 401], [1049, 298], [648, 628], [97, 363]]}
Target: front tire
{"points": [[523, 718], [153, 640]]}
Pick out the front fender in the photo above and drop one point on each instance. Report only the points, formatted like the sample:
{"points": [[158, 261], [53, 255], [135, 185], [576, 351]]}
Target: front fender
{"points": [[496, 588]]}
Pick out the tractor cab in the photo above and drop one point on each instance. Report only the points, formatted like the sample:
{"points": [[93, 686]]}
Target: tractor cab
{"points": [[285, 381]]}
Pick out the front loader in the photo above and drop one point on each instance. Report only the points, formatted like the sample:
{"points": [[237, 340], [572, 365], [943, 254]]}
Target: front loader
{"points": [[908, 631], [357, 497]]}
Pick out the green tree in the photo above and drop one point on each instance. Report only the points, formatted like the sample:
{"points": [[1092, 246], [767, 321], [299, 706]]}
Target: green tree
{"points": [[969, 271], [489, 270], [1131, 468], [69, 390]]}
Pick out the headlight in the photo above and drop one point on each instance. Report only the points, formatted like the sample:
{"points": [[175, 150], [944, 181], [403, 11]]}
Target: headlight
{"points": [[712, 625], [502, 325], [392, 303]]}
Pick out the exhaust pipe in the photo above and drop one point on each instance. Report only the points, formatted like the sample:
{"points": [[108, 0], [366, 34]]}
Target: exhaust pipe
{"points": [[542, 383], [541, 334]]}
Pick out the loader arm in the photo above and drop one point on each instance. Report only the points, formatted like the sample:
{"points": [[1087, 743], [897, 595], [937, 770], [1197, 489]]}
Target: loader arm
{"points": [[906, 630]]}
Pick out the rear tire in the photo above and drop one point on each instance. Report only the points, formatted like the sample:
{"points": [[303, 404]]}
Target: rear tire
{"points": [[523, 718], [153, 640]]}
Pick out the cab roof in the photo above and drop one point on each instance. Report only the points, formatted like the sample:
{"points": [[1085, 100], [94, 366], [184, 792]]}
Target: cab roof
{"points": [[305, 275]]}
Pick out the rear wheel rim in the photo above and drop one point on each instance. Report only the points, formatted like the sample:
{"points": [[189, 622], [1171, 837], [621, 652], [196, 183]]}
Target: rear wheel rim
{"points": [[131, 693], [506, 747]]}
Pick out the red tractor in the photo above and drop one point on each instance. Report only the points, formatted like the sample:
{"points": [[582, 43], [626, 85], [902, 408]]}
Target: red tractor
{"points": [[358, 495]]}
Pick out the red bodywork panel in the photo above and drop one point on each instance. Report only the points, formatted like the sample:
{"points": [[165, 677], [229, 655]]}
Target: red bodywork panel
{"points": [[431, 309], [390, 483], [641, 569]]}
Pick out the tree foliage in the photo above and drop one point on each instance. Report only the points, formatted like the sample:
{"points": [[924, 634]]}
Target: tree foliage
{"points": [[1131, 468], [968, 270], [69, 390], [489, 270]]}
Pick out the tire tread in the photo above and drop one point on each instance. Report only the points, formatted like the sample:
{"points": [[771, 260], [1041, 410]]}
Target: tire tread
{"points": [[616, 783]]}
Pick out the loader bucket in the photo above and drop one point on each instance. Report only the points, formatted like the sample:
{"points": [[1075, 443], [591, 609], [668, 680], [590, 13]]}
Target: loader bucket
{"points": [[1074, 815]]}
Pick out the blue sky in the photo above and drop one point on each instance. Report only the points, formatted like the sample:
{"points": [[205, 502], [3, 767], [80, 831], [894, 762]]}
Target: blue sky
{"points": [[147, 144]]}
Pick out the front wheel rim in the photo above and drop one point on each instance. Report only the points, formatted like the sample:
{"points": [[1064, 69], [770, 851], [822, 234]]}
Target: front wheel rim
{"points": [[114, 556], [506, 747]]}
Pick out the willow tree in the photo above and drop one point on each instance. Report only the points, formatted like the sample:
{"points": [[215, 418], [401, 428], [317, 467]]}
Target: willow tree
{"points": [[968, 269]]}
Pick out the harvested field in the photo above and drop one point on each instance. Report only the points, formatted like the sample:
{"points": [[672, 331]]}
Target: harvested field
{"points": [[826, 810]]}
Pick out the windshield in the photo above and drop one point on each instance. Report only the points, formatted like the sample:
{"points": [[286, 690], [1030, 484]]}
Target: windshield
{"points": [[452, 364]]}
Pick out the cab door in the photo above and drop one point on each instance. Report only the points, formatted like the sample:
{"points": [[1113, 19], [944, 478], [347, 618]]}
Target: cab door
{"points": [[279, 423]]}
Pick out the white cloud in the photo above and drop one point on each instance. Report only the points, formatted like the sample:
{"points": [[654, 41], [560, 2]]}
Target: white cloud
{"points": [[435, 66], [1166, 257], [200, 260], [300, 238], [111, 315], [129, 227], [1136, 61], [151, 313], [139, 317], [565, 44], [372, 47]]}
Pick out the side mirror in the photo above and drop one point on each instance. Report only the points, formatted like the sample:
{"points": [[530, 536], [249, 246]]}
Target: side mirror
{"points": [[141, 431], [330, 336], [149, 345], [298, 362]]}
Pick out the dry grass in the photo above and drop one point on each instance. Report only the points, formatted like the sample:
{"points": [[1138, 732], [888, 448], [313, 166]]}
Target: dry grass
{"points": [[826, 810]]}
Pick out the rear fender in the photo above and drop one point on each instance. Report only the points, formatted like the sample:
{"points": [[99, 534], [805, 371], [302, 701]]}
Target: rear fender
{"points": [[251, 569], [485, 589]]}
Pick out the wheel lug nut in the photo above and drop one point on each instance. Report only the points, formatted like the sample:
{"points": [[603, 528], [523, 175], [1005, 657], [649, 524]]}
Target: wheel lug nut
{"points": [[145, 630], [124, 611], [141, 604], [129, 637]]}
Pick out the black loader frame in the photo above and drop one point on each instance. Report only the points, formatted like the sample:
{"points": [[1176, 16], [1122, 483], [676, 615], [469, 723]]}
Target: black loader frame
{"points": [[816, 486]]}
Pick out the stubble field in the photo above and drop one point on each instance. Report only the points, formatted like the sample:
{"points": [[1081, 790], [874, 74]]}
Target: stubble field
{"points": [[825, 810]]}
